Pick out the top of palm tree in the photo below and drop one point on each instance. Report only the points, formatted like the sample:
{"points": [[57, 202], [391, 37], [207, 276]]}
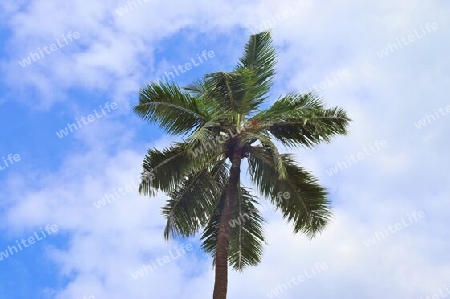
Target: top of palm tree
{"points": [[222, 111]]}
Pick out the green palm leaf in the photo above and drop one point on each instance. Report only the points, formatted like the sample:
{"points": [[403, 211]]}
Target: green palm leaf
{"points": [[246, 233], [260, 58], [190, 206], [170, 108], [301, 119], [307, 206], [157, 163]]}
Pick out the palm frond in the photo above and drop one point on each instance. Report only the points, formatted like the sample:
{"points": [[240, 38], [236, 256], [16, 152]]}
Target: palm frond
{"points": [[246, 233], [307, 206], [206, 103], [191, 205], [259, 57], [173, 110], [301, 120], [167, 168], [223, 88], [268, 146]]}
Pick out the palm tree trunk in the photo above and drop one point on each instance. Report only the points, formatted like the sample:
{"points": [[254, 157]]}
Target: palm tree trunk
{"points": [[223, 238]]}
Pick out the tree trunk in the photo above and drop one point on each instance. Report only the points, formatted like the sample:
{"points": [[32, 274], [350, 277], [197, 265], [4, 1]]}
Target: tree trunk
{"points": [[223, 238]]}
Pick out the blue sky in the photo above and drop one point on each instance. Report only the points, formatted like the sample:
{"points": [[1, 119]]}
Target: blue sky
{"points": [[393, 92]]}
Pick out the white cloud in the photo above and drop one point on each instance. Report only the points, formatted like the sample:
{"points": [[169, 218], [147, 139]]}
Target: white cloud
{"points": [[384, 97]]}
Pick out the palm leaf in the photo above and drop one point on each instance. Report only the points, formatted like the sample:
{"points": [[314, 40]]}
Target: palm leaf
{"points": [[301, 119], [246, 233], [173, 110], [190, 206], [307, 206], [167, 168], [260, 58]]}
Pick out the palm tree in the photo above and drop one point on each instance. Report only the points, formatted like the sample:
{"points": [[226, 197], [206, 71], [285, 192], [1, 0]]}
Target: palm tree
{"points": [[221, 122]]}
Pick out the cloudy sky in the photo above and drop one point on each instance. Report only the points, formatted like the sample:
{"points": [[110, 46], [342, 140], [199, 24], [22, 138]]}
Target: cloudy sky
{"points": [[385, 62]]}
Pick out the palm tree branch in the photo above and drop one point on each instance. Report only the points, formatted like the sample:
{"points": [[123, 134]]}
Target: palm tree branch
{"points": [[175, 111], [167, 168], [177, 107], [192, 203], [307, 206], [246, 234], [257, 67], [301, 119]]}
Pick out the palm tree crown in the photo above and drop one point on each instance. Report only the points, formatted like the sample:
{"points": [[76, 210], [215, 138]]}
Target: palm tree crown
{"points": [[221, 120]]}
